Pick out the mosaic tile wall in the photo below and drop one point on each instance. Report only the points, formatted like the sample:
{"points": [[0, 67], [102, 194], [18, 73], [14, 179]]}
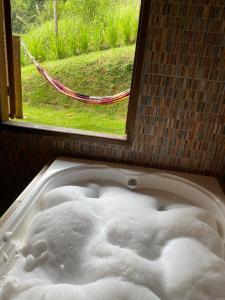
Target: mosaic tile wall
{"points": [[180, 122]]}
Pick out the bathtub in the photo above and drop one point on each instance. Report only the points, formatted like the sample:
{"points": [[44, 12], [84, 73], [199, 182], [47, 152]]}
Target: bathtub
{"points": [[202, 191]]}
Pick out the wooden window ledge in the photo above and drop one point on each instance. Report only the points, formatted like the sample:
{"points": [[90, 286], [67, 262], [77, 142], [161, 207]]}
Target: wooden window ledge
{"points": [[65, 132]]}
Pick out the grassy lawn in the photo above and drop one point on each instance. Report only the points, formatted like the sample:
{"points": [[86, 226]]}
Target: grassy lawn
{"points": [[68, 117], [97, 73]]}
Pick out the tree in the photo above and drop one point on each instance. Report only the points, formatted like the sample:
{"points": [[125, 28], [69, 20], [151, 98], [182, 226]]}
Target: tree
{"points": [[55, 17], [24, 13]]}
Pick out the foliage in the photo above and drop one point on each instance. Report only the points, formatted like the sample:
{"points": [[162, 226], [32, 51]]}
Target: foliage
{"points": [[83, 39], [97, 36], [25, 13], [112, 31], [114, 25], [128, 23], [88, 10]]}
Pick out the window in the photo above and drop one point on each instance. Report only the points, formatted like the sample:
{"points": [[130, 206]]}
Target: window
{"points": [[11, 106]]}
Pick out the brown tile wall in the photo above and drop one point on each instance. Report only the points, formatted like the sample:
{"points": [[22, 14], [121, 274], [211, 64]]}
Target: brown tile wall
{"points": [[180, 121]]}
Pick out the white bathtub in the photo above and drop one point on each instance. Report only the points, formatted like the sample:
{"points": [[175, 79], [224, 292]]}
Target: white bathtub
{"points": [[202, 191]]}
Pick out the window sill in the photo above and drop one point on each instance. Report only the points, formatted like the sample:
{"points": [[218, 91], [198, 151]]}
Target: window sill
{"points": [[65, 132]]}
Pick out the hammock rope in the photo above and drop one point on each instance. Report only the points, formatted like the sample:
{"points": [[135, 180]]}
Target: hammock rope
{"points": [[72, 94]]}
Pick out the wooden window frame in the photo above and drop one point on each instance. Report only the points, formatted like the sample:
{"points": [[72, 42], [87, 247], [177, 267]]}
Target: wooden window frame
{"points": [[7, 103]]}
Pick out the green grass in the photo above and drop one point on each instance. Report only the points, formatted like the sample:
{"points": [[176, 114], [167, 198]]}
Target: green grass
{"points": [[69, 118], [97, 73]]}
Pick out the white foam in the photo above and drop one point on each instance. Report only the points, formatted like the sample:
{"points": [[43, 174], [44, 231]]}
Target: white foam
{"points": [[110, 243], [7, 236]]}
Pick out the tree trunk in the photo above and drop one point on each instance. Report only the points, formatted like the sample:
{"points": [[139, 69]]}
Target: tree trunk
{"points": [[55, 18]]}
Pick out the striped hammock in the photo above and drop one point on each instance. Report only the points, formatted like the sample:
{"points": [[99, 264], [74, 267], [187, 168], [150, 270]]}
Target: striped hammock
{"points": [[72, 94]]}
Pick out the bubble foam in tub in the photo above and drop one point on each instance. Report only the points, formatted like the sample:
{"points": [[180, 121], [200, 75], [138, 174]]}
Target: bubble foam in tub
{"points": [[104, 241]]}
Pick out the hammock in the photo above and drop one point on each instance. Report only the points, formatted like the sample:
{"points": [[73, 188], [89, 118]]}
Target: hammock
{"points": [[72, 94]]}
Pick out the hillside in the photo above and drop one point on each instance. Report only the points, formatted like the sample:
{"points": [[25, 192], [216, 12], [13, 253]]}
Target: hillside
{"points": [[97, 73]]}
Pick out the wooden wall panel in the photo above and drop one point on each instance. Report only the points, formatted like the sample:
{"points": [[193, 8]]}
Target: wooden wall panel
{"points": [[180, 121]]}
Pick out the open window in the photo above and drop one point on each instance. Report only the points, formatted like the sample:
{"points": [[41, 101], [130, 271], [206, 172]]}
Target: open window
{"points": [[11, 89]]}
